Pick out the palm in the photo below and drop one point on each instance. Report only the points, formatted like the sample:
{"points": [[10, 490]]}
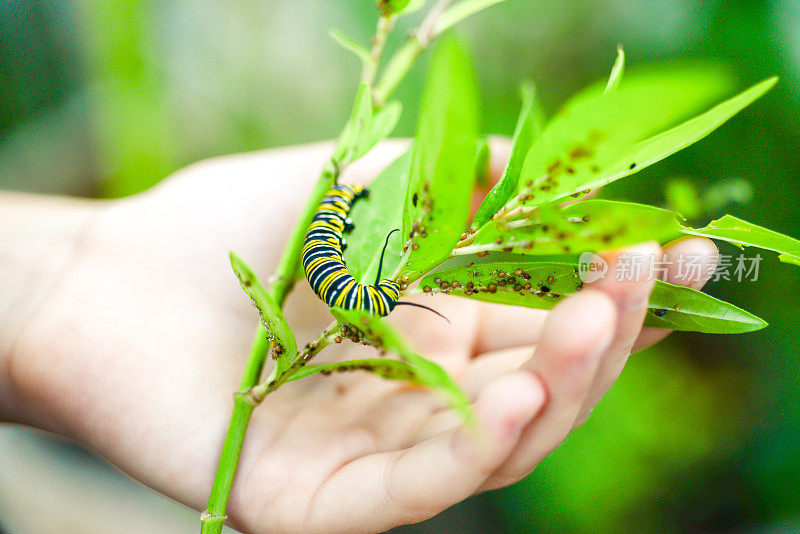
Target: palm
{"points": [[154, 332]]}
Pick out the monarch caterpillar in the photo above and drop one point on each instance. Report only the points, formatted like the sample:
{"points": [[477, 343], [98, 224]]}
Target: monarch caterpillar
{"points": [[322, 258]]}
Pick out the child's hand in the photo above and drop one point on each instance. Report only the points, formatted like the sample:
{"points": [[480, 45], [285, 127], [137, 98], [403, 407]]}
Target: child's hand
{"points": [[135, 344]]}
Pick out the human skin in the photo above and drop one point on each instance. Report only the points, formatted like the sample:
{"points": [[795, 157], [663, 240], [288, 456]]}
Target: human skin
{"points": [[122, 327]]}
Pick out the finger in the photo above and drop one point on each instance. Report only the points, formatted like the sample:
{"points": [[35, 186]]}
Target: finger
{"points": [[499, 151], [487, 366], [628, 282], [502, 326], [691, 263], [388, 489], [481, 371], [577, 331], [449, 342]]}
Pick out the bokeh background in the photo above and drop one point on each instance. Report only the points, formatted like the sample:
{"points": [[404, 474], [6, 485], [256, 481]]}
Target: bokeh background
{"points": [[700, 434]]}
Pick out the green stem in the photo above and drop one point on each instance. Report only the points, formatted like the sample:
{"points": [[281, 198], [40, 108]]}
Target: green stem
{"points": [[247, 398], [281, 283], [402, 60], [258, 392], [385, 26], [396, 70], [213, 518]]}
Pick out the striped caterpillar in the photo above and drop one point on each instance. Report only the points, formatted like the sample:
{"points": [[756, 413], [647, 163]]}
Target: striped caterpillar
{"points": [[325, 269]]}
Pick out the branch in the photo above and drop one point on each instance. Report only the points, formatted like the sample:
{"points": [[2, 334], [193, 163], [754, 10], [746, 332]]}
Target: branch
{"points": [[404, 58]]}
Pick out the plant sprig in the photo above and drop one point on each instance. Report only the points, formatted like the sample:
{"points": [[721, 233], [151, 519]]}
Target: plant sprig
{"points": [[607, 132]]}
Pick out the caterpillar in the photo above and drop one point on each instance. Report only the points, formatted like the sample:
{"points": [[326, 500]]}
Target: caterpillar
{"points": [[323, 264]]}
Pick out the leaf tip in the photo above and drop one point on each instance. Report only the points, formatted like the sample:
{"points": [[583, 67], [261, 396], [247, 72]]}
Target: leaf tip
{"points": [[236, 261]]}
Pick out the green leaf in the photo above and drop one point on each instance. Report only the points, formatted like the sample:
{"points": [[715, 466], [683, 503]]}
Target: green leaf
{"points": [[281, 338], [373, 218], [383, 336], [743, 233], [399, 7], [616, 71], [542, 285], [364, 129], [381, 126], [458, 12], [383, 367], [601, 137], [357, 127], [529, 125], [660, 146], [483, 173], [351, 45], [442, 167], [519, 283], [683, 308], [586, 226]]}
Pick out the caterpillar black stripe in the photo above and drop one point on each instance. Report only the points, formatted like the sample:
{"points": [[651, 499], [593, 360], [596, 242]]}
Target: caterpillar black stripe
{"points": [[325, 269], [322, 258]]}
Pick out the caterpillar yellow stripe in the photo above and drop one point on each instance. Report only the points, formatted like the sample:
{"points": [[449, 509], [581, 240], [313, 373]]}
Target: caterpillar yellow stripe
{"points": [[322, 258]]}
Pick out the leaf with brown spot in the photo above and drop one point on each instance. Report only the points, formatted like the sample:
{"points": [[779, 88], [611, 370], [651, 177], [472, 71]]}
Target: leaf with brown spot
{"points": [[586, 226], [627, 129], [385, 368], [683, 308], [270, 314], [443, 159], [384, 336]]}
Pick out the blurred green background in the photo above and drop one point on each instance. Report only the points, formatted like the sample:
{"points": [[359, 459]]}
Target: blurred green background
{"points": [[700, 434]]}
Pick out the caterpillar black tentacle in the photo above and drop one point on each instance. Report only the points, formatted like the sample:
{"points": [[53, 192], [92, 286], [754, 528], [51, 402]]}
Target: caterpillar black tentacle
{"points": [[325, 269], [423, 307]]}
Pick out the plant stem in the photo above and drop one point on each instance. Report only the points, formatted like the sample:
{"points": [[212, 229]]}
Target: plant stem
{"points": [[257, 393], [385, 26], [409, 52], [281, 282], [213, 518]]}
